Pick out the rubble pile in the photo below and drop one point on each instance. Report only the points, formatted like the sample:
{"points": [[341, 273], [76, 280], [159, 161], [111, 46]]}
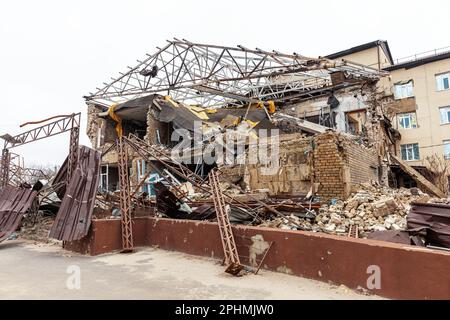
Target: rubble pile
{"points": [[229, 188], [37, 228], [226, 187], [371, 208]]}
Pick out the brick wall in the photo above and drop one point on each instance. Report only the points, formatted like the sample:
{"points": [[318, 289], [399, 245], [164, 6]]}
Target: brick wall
{"points": [[329, 167], [363, 163], [340, 163]]}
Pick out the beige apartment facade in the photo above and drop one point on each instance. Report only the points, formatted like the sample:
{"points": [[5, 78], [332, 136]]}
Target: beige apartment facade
{"points": [[424, 122], [375, 54], [419, 90], [421, 98]]}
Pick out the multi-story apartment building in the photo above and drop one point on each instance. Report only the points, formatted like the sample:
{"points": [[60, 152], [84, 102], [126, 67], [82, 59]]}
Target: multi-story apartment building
{"points": [[420, 86]]}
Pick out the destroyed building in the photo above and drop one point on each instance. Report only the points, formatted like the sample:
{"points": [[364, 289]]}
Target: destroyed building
{"points": [[228, 135], [289, 92]]}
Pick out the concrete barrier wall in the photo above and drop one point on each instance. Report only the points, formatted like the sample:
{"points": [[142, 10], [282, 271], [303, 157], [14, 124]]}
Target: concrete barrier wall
{"points": [[406, 272], [106, 236]]}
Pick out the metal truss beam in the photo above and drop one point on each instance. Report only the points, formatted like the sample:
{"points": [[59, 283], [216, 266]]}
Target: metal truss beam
{"points": [[73, 150], [65, 123], [231, 255], [125, 199], [45, 131], [19, 175], [182, 67], [4, 169]]}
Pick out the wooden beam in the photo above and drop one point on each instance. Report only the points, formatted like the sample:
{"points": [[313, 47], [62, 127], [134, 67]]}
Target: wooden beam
{"points": [[431, 188]]}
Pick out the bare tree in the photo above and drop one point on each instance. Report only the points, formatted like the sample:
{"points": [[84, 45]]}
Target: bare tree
{"points": [[440, 166]]}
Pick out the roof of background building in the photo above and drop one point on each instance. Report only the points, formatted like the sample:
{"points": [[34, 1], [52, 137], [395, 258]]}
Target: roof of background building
{"points": [[383, 43], [419, 62]]}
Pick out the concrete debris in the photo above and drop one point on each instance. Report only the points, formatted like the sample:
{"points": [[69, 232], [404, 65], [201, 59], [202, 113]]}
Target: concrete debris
{"points": [[371, 208], [37, 228], [226, 187]]}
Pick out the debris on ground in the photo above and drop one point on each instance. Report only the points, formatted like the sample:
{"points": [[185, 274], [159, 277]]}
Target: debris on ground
{"points": [[37, 228], [371, 208]]}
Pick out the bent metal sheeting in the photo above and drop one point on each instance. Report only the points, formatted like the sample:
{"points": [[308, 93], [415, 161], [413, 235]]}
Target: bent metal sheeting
{"points": [[74, 216], [14, 203]]}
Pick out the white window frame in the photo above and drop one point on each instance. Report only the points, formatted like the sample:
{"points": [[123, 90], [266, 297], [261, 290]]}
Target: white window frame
{"points": [[411, 117], [443, 81], [446, 149], [445, 114], [106, 175], [409, 150], [404, 90], [99, 137], [141, 172]]}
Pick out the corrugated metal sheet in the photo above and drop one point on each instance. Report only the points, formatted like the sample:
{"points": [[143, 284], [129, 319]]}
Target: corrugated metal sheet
{"points": [[14, 203], [432, 221], [74, 216]]}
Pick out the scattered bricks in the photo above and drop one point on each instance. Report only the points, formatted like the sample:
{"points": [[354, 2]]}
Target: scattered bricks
{"points": [[372, 208], [384, 207], [424, 198], [380, 209], [352, 204], [392, 205]]}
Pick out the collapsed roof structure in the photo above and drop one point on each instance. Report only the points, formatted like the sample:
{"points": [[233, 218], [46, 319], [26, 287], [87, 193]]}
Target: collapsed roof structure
{"points": [[219, 76]]}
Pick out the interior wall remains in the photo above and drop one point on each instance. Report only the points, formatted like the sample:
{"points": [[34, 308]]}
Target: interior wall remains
{"points": [[349, 100], [331, 162]]}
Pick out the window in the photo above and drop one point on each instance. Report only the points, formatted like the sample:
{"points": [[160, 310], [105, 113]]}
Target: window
{"points": [[410, 151], [104, 178], [403, 90], [443, 81], [445, 115], [99, 137], [447, 149], [407, 120], [141, 173]]}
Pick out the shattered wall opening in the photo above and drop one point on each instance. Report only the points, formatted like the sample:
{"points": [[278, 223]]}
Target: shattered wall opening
{"points": [[331, 163]]}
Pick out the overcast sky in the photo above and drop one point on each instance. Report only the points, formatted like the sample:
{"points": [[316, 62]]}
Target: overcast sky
{"points": [[54, 52]]}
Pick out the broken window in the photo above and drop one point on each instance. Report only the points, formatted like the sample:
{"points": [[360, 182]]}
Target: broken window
{"points": [[104, 178], [410, 151], [141, 174], [403, 90], [443, 81], [445, 115], [352, 127], [109, 178], [355, 121], [447, 149], [407, 120]]}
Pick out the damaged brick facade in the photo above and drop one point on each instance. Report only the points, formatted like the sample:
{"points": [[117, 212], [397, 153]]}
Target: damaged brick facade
{"points": [[331, 162], [294, 173]]}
